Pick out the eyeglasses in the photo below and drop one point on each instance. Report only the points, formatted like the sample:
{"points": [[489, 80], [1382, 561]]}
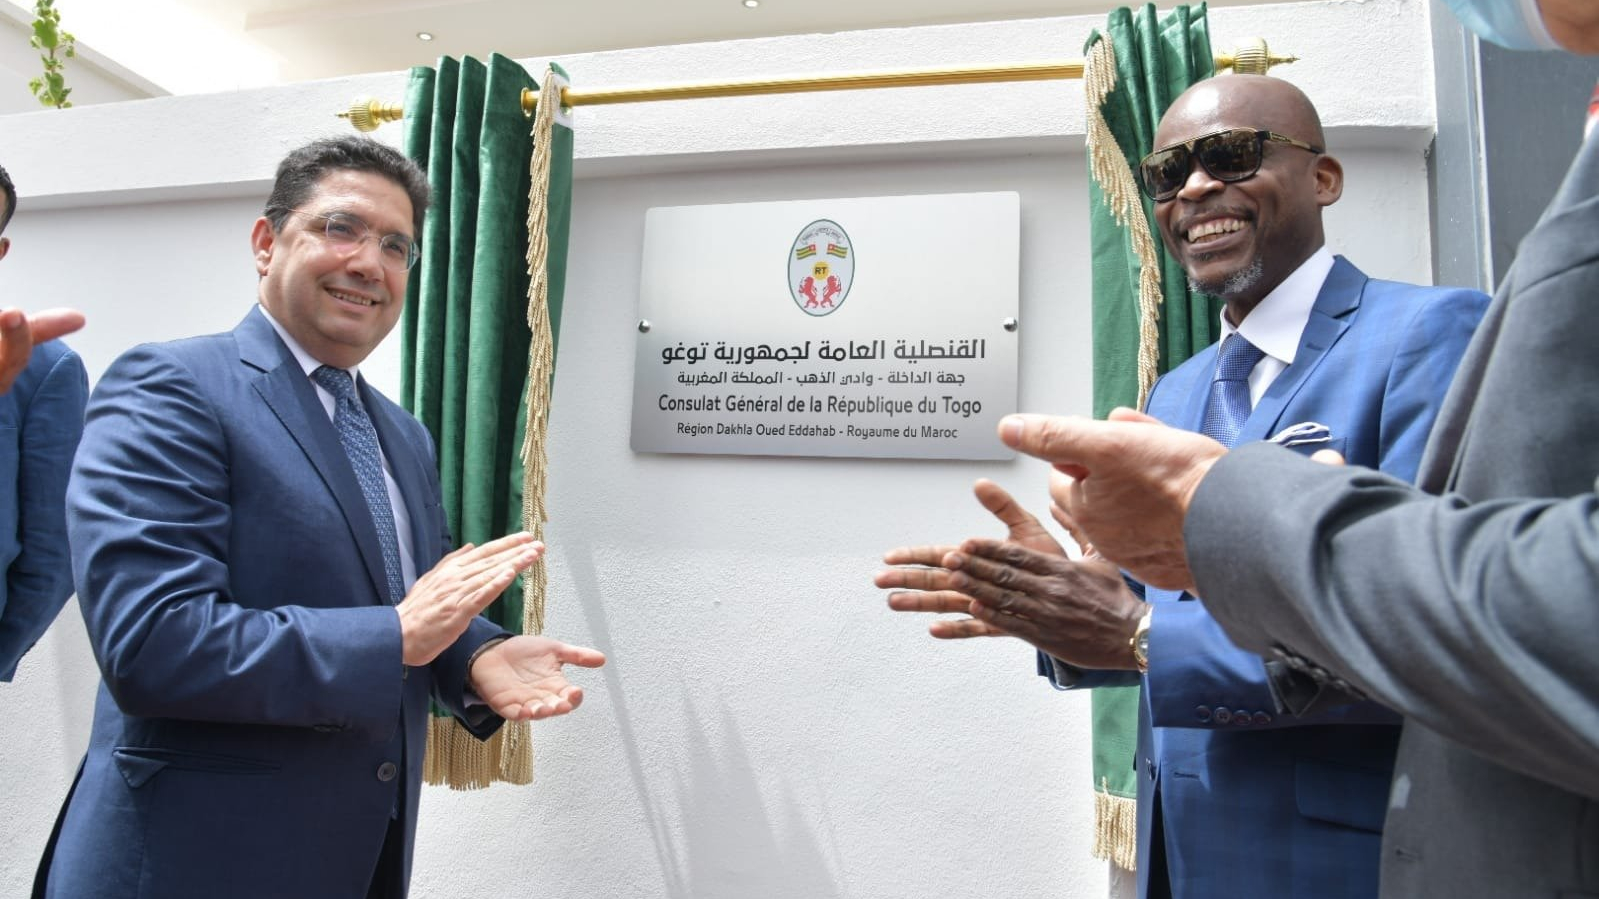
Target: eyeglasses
{"points": [[396, 251], [1232, 155]]}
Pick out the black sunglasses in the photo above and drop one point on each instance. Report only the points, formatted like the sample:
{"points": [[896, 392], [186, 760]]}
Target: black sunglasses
{"points": [[1231, 155]]}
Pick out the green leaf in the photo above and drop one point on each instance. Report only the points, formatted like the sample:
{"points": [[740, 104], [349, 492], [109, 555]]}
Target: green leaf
{"points": [[46, 33], [51, 88]]}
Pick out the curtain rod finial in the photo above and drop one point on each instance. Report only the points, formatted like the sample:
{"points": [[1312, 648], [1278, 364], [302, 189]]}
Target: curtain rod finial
{"points": [[367, 115], [1252, 58]]}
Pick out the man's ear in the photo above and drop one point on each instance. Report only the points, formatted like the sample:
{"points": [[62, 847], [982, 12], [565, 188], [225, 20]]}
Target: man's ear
{"points": [[262, 241], [1329, 180], [5, 246]]}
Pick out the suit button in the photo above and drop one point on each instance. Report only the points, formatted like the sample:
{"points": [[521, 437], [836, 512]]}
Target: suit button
{"points": [[386, 771], [1202, 712], [1223, 716], [1262, 718], [1149, 767], [1241, 718]]}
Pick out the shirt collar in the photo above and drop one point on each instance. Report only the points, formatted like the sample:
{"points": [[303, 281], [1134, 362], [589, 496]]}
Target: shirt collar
{"points": [[1276, 324], [307, 361]]}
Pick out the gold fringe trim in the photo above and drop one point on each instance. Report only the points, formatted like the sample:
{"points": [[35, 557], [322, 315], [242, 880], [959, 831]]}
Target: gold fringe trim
{"points": [[541, 352], [461, 761], [1115, 828], [1115, 179]]}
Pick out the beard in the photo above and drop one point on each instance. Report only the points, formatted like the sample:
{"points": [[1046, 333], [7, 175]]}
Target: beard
{"points": [[1238, 282]]}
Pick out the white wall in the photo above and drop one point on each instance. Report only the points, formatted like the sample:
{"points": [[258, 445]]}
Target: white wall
{"points": [[766, 728]]}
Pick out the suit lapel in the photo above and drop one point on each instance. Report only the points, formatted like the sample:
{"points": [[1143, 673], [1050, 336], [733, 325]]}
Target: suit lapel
{"points": [[1329, 318], [1185, 390], [1182, 395], [286, 390]]}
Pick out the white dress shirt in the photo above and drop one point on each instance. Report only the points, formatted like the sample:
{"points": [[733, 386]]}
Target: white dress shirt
{"points": [[1276, 324]]}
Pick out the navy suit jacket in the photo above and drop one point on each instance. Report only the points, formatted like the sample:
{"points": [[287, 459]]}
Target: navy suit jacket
{"points": [[1254, 803], [255, 728], [41, 419]]}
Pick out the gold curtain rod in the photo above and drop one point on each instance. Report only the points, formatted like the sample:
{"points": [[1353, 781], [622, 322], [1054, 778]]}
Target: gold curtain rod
{"points": [[1251, 58]]}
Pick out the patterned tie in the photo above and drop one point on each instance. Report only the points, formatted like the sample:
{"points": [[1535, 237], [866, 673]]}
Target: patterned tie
{"points": [[1229, 392], [361, 445]]}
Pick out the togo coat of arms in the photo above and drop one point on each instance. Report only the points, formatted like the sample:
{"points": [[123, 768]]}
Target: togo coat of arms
{"points": [[821, 267]]}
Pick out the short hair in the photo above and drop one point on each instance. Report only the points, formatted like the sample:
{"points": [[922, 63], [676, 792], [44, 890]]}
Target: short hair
{"points": [[301, 171], [10, 191]]}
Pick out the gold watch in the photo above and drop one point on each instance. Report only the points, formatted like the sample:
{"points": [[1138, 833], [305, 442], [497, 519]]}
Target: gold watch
{"points": [[1140, 641]]}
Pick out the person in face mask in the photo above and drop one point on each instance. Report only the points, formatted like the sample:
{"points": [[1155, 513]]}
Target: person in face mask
{"points": [[1533, 24], [1516, 24], [1468, 602]]}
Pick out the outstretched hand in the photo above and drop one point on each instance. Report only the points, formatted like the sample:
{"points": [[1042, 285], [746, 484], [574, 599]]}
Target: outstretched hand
{"points": [[20, 333], [1079, 611], [522, 680], [1127, 486], [444, 601], [924, 582]]}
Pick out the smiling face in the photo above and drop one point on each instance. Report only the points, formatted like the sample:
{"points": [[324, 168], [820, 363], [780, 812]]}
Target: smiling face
{"points": [[1238, 240], [338, 302]]}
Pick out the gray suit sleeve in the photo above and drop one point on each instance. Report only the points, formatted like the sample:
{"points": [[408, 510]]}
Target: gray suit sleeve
{"points": [[1476, 620]]}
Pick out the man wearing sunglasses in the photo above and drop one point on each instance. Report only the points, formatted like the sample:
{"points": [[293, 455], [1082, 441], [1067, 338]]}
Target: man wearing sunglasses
{"points": [[1234, 799], [1468, 601], [263, 567]]}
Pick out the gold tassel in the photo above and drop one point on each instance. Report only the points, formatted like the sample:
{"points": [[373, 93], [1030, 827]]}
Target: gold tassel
{"points": [[1115, 828], [1115, 179], [459, 760]]}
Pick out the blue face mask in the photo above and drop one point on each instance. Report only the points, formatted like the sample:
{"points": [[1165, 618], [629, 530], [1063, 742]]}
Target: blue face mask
{"points": [[1513, 24]]}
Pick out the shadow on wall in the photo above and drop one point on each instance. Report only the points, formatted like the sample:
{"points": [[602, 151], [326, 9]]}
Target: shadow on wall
{"points": [[77, 684], [716, 839]]}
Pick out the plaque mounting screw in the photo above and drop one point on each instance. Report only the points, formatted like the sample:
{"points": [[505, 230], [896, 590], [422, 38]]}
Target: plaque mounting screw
{"points": [[1009, 324], [644, 326]]}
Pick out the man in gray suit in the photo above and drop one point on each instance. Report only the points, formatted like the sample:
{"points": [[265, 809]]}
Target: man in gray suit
{"points": [[1468, 602]]}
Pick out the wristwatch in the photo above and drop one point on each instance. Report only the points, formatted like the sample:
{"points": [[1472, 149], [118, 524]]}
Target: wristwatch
{"points": [[1140, 641]]}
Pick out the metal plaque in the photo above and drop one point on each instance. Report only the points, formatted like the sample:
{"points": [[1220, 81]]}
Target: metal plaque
{"points": [[873, 327]]}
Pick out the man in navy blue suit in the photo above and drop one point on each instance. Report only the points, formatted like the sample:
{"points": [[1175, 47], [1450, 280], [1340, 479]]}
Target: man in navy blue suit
{"points": [[264, 568], [42, 392], [1235, 799]]}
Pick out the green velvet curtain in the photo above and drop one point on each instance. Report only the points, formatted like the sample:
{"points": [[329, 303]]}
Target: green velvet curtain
{"points": [[1145, 320], [465, 336]]}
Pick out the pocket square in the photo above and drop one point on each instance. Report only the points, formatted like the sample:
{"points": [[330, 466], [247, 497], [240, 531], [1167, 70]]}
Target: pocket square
{"points": [[1302, 434]]}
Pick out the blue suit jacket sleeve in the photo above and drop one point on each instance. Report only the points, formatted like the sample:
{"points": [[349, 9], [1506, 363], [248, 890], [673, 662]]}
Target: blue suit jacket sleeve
{"points": [[1192, 662], [52, 392], [150, 512]]}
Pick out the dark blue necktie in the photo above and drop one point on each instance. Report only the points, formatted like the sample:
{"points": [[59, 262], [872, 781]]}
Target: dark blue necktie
{"points": [[1229, 392], [360, 441]]}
